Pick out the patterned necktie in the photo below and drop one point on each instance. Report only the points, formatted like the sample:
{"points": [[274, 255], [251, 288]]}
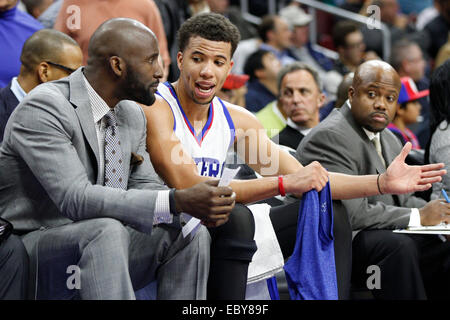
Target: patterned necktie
{"points": [[376, 142], [114, 173]]}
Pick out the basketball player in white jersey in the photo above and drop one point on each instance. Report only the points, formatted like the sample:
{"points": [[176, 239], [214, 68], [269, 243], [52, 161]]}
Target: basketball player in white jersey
{"points": [[187, 146]]}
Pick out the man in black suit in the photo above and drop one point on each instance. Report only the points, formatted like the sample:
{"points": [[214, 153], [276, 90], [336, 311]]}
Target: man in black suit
{"points": [[353, 140], [47, 55], [301, 97]]}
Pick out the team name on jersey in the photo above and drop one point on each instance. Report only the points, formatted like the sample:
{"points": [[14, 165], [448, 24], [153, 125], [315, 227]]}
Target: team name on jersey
{"points": [[209, 167]]}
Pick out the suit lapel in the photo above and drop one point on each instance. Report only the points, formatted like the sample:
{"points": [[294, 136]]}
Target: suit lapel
{"points": [[79, 98]]}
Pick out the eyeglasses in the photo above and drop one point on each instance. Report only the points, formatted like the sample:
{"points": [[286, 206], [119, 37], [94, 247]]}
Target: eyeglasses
{"points": [[69, 70]]}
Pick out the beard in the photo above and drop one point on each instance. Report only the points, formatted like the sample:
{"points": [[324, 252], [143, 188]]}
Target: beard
{"points": [[136, 90]]}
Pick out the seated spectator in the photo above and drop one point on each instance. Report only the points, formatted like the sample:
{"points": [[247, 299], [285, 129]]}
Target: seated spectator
{"points": [[408, 110], [234, 89], [36, 8], [349, 43], [78, 184], [15, 27], [342, 93], [272, 117], [276, 37], [302, 97], [439, 147], [438, 28], [47, 55], [411, 266], [48, 17], [407, 59], [234, 14], [443, 54], [262, 67], [301, 46], [94, 13]]}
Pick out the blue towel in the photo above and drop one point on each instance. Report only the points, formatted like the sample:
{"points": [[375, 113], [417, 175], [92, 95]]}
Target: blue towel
{"points": [[311, 270]]}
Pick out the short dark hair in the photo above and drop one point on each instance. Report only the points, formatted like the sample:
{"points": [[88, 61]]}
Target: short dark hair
{"points": [[341, 30], [267, 24], [254, 62], [210, 26], [44, 45]]}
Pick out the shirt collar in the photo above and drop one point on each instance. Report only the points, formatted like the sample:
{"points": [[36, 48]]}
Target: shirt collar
{"points": [[98, 105], [304, 131], [17, 89]]}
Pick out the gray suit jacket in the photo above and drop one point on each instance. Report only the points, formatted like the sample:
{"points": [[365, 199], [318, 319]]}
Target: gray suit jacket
{"points": [[341, 145], [50, 156]]}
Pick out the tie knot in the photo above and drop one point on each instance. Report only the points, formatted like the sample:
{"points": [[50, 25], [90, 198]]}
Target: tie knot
{"points": [[110, 119]]}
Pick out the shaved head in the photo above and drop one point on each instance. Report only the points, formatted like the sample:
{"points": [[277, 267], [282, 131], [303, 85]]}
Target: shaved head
{"points": [[376, 71], [373, 95], [121, 37], [123, 61]]}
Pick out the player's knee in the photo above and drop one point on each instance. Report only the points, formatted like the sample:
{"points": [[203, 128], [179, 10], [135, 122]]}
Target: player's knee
{"points": [[235, 239]]}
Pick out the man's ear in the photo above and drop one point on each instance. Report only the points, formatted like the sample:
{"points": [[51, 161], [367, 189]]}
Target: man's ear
{"points": [[351, 93], [43, 71], [179, 59], [117, 65]]}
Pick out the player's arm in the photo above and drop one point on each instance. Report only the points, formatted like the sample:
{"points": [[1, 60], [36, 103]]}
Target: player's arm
{"points": [[268, 159], [169, 158]]}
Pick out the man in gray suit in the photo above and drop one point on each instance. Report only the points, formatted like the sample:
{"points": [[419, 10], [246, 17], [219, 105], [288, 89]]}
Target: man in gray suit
{"points": [[105, 231], [412, 266]]}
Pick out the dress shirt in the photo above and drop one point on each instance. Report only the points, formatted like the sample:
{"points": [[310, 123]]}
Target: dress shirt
{"points": [[99, 110], [414, 218]]}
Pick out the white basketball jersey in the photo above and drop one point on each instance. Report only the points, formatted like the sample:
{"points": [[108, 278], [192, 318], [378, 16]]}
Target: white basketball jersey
{"points": [[209, 147]]}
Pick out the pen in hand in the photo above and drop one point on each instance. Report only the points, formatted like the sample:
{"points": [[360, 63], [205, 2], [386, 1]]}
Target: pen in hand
{"points": [[445, 196]]}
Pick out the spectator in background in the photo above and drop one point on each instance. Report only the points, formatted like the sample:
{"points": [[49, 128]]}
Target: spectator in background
{"points": [[349, 43], [234, 89], [48, 17], [342, 93], [276, 37], [301, 47], [95, 12], [443, 54], [407, 59], [234, 14], [273, 118], [15, 27], [301, 97], [439, 146], [262, 67], [36, 7], [47, 55], [408, 110], [438, 28]]}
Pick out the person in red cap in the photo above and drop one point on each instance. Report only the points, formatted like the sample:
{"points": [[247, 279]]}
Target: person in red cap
{"points": [[234, 89], [408, 110]]}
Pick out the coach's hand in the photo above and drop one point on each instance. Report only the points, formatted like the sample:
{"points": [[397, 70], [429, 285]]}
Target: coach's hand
{"points": [[207, 202]]}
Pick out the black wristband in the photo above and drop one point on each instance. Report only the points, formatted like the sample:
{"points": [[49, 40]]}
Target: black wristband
{"points": [[172, 204]]}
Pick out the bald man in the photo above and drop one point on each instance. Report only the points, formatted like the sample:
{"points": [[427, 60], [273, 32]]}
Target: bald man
{"points": [[47, 55], [78, 184], [410, 266]]}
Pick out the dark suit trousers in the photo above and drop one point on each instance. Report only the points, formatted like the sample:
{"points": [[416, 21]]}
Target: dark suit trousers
{"points": [[284, 219], [411, 266], [13, 269]]}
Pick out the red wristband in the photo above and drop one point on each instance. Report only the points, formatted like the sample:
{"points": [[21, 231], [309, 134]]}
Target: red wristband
{"points": [[280, 186]]}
